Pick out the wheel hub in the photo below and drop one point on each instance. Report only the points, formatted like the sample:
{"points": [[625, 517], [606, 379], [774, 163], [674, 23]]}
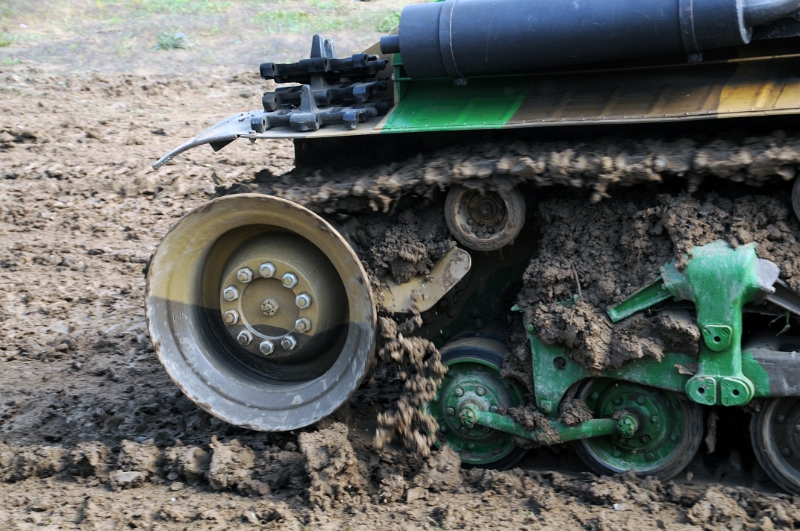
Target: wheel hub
{"points": [[275, 292], [485, 211]]}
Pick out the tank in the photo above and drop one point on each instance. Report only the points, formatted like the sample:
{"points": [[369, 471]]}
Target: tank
{"points": [[552, 222]]}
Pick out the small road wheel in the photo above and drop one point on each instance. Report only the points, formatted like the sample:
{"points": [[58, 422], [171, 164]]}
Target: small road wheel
{"points": [[473, 377], [666, 429], [484, 220], [775, 433]]}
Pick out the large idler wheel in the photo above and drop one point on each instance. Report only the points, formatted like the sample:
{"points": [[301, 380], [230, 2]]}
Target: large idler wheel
{"points": [[473, 377], [260, 312], [664, 429], [775, 432], [484, 221]]}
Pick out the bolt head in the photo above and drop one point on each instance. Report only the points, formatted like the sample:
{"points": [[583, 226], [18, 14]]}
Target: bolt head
{"points": [[289, 342], [267, 270], [780, 419], [595, 396], [786, 452], [627, 421], [654, 419], [471, 446], [645, 439], [674, 437], [289, 280], [244, 275], [618, 401], [302, 325], [451, 411], [303, 301], [649, 456], [616, 453], [493, 409], [231, 317], [270, 307], [458, 392], [244, 337], [266, 347], [230, 293], [641, 400], [480, 391]]}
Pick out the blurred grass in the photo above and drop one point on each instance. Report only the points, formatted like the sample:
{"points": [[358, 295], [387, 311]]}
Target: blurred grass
{"points": [[6, 39]]}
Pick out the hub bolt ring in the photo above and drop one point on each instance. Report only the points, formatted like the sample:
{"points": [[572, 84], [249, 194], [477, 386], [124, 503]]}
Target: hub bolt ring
{"points": [[230, 294], [289, 342], [289, 280], [244, 275], [267, 270], [231, 317], [244, 337], [303, 301], [266, 347]]}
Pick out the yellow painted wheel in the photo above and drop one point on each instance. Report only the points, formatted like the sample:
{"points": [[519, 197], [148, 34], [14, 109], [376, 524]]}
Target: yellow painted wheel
{"points": [[260, 312]]}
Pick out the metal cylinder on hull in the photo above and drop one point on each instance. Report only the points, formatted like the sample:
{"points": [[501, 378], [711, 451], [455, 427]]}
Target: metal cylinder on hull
{"points": [[460, 38]]}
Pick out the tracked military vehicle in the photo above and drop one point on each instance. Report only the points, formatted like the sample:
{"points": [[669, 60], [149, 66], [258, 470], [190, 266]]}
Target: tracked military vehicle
{"points": [[586, 208]]}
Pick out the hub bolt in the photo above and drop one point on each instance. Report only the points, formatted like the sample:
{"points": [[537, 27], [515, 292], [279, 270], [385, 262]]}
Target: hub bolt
{"points": [[616, 452], [451, 411], [781, 419], [302, 325], [654, 419], [645, 439], [230, 293], [595, 396], [618, 401], [641, 400], [270, 307], [786, 452], [289, 280], [244, 337], [471, 446], [649, 456], [231, 317], [244, 275], [267, 270], [458, 392], [480, 391], [266, 347], [303, 301], [674, 437], [493, 409], [463, 429], [289, 342]]}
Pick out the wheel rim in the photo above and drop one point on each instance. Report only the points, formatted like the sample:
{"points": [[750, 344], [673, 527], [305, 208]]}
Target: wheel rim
{"points": [[665, 429], [243, 340], [484, 220], [777, 441], [473, 377]]}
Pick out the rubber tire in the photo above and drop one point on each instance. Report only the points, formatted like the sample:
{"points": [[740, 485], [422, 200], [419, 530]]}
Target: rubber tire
{"points": [[693, 438], [491, 352], [765, 455]]}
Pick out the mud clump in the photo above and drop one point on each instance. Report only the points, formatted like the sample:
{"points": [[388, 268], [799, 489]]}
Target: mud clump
{"points": [[231, 468], [335, 472], [594, 256], [402, 246], [441, 471], [574, 411], [416, 362], [188, 462], [531, 419], [37, 461]]}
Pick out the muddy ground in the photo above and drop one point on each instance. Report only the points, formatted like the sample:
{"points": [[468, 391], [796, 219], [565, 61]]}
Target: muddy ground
{"points": [[95, 436]]}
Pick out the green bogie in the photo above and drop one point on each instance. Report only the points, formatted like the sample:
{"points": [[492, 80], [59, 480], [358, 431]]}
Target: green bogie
{"points": [[474, 378], [661, 435]]}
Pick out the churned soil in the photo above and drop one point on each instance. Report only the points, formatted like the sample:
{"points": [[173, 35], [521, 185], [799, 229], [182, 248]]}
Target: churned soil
{"points": [[95, 436]]}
